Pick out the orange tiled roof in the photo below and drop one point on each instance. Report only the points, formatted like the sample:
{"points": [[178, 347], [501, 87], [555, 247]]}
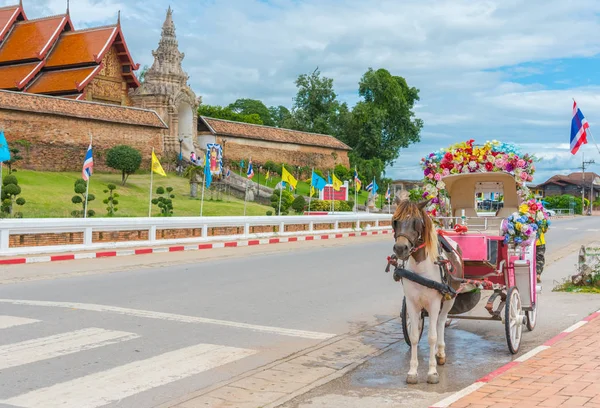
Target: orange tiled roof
{"points": [[33, 39], [271, 134], [78, 47], [17, 76], [8, 15], [23, 101], [68, 80]]}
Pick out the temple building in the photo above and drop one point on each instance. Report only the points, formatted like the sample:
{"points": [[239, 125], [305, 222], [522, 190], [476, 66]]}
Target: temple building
{"points": [[48, 56]]}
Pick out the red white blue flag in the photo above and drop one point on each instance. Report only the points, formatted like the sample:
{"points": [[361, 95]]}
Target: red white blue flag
{"points": [[88, 164], [579, 125]]}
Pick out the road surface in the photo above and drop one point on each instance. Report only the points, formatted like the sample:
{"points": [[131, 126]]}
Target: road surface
{"points": [[141, 331]]}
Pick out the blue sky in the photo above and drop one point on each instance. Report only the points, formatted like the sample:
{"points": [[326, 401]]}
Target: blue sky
{"points": [[488, 69]]}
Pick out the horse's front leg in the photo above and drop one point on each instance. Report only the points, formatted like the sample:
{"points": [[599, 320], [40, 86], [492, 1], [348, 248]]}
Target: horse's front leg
{"points": [[434, 314], [414, 316], [441, 332]]}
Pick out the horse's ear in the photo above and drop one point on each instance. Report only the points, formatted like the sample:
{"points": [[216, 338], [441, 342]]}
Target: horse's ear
{"points": [[402, 196], [423, 204]]}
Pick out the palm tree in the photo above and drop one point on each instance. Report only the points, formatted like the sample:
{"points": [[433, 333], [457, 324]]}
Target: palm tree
{"points": [[194, 174]]}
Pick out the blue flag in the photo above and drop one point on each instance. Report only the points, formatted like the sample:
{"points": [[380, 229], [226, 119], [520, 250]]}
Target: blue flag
{"points": [[207, 173], [375, 187], [4, 152], [317, 181]]}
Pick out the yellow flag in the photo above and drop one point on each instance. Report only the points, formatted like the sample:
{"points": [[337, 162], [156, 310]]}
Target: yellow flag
{"points": [[337, 184], [268, 175], [288, 178], [156, 167], [312, 191]]}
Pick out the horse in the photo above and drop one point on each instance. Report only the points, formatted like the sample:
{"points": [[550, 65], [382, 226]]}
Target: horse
{"points": [[417, 246]]}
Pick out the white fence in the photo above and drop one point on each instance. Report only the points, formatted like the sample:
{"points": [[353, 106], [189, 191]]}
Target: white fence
{"points": [[87, 227]]}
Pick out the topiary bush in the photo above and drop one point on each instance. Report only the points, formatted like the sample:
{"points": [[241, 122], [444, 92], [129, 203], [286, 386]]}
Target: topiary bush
{"points": [[165, 201], [299, 204], [111, 201], [10, 197], [79, 198], [125, 159], [287, 199]]}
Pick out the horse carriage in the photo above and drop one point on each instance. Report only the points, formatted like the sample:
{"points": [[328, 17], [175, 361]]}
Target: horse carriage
{"points": [[446, 260]]}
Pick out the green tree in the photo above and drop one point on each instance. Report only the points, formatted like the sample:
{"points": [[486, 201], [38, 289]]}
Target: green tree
{"points": [[124, 158], [79, 198], [281, 116], [165, 201], [111, 201], [287, 199], [219, 112], [384, 121], [299, 204], [194, 174], [248, 107], [315, 106], [14, 157], [10, 197]]}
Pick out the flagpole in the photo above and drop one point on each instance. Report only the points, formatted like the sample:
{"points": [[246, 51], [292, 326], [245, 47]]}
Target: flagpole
{"points": [[310, 188], [280, 192], [355, 191], [151, 180], [203, 185], [87, 188]]}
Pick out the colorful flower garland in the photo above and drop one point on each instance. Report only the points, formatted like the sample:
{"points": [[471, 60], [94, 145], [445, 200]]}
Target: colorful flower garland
{"points": [[523, 227], [464, 157]]}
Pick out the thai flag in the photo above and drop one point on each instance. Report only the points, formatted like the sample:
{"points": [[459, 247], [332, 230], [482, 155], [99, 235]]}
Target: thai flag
{"points": [[250, 172], [370, 187], [388, 194], [88, 164], [579, 125]]}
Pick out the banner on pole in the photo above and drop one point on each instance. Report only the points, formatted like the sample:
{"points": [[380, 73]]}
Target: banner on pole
{"points": [[215, 158]]}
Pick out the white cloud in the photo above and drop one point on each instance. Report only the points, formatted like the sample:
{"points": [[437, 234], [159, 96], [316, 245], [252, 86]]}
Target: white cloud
{"points": [[459, 53]]}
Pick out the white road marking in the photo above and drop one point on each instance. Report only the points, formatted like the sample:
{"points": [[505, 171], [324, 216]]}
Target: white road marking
{"points": [[99, 389], [531, 353], [173, 317], [458, 395], [10, 321], [575, 326], [571, 228], [44, 348]]}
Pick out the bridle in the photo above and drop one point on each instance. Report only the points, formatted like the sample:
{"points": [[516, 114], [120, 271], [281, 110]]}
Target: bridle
{"points": [[415, 244]]}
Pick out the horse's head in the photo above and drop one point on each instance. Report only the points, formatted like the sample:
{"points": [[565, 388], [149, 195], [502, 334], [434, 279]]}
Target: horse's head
{"points": [[412, 229]]}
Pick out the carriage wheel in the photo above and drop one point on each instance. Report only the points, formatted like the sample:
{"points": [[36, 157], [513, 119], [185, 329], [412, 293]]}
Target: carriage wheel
{"points": [[513, 320], [531, 318], [406, 323]]}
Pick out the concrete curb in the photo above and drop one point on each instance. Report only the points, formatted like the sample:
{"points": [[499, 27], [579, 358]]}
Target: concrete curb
{"points": [[484, 380], [178, 248]]}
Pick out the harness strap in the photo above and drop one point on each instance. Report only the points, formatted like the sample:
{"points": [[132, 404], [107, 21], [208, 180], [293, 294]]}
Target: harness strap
{"points": [[445, 290]]}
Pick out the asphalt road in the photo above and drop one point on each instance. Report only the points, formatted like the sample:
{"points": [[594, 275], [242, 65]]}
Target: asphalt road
{"points": [[127, 332]]}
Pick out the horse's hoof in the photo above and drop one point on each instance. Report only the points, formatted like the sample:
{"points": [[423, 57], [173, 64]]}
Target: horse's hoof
{"points": [[440, 360], [412, 379], [433, 378]]}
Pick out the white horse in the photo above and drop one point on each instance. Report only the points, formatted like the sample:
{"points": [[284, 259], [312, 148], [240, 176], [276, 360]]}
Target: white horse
{"points": [[417, 245]]}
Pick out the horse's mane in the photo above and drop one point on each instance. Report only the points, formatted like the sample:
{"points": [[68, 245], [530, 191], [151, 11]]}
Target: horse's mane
{"points": [[406, 210]]}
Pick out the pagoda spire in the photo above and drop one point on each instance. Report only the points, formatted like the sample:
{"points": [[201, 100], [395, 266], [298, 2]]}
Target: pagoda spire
{"points": [[67, 7], [167, 57], [119, 18]]}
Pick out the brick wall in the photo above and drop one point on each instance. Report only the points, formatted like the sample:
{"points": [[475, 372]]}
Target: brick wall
{"points": [[59, 143], [58, 130], [237, 149]]}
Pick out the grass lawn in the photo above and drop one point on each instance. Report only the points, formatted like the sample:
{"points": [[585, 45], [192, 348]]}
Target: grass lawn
{"points": [[48, 194]]}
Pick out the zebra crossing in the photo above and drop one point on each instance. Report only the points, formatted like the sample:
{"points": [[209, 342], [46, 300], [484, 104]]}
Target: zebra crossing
{"points": [[104, 387]]}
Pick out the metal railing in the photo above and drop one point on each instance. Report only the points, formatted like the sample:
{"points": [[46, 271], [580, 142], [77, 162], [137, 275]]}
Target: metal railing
{"points": [[88, 226]]}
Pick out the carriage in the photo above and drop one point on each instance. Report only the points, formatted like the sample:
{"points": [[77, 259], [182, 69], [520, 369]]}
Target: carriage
{"points": [[490, 263]]}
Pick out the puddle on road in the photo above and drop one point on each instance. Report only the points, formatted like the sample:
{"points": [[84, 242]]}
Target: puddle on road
{"points": [[469, 357]]}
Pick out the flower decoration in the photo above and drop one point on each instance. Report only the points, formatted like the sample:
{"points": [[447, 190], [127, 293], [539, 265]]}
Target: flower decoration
{"points": [[523, 227], [466, 157]]}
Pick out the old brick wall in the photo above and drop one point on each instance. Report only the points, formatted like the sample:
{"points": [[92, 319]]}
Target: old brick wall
{"points": [[236, 149], [56, 131]]}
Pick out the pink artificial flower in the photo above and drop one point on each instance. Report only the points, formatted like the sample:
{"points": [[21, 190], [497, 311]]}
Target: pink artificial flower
{"points": [[521, 163], [430, 176], [438, 176], [524, 176], [500, 163], [446, 172]]}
